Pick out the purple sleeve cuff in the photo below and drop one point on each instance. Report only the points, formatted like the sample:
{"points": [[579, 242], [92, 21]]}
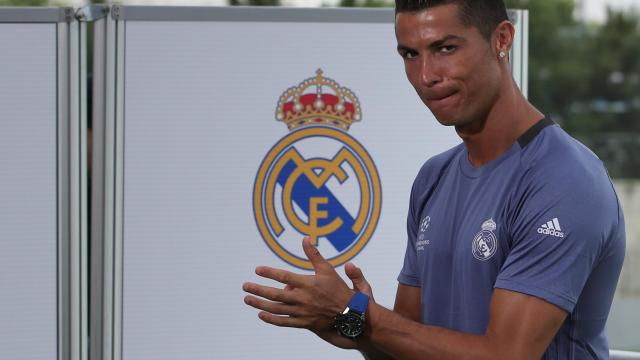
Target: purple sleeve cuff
{"points": [[562, 301], [408, 280]]}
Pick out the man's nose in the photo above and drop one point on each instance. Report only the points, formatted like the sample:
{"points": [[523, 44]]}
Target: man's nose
{"points": [[429, 74]]}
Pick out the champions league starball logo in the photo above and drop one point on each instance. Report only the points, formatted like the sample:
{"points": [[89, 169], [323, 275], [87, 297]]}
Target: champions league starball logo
{"points": [[317, 181]]}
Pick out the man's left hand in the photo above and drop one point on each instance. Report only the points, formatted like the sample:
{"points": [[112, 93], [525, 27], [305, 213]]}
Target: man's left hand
{"points": [[307, 301]]}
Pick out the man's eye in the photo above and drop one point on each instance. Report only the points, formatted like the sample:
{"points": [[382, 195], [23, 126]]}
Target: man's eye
{"points": [[408, 55], [447, 49]]}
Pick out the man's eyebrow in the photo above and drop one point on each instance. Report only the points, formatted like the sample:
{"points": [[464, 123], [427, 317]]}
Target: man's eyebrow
{"points": [[434, 45], [402, 48]]}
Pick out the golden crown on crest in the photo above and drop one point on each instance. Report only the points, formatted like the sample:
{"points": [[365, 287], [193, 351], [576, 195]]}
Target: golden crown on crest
{"points": [[339, 107]]}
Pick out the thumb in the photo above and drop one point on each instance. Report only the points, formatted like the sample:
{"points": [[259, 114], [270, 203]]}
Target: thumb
{"points": [[357, 278], [313, 254]]}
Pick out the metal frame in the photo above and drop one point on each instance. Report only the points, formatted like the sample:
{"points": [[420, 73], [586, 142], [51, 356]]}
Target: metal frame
{"points": [[71, 174], [108, 134], [247, 13], [92, 13], [36, 15], [98, 285], [107, 187], [72, 191]]}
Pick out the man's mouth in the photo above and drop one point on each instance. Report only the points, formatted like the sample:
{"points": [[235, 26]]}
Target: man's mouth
{"points": [[440, 97]]}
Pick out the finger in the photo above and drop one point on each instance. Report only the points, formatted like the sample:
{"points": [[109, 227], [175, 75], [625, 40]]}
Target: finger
{"points": [[354, 273], [313, 254], [271, 307], [283, 321], [357, 278], [269, 293], [282, 276]]}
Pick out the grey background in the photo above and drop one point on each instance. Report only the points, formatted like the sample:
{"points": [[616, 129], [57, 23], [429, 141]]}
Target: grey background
{"points": [[28, 191]]}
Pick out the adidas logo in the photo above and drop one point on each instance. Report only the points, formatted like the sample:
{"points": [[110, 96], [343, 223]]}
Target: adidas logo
{"points": [[551, 228]]}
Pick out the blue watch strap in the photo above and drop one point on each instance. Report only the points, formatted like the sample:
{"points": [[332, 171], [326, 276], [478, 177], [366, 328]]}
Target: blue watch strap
{"points": [[359, 302]]}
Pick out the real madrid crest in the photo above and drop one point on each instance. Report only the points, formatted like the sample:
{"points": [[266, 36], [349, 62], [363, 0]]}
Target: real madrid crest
{"points": [[317, 181], [485, 242]]}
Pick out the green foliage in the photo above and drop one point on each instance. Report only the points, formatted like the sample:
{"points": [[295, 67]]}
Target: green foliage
{"points": [[607, 118], [588, 78], [556, 59]]}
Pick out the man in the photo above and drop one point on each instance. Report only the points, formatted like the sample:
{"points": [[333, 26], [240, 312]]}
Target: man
{"points": [[516, 237]]}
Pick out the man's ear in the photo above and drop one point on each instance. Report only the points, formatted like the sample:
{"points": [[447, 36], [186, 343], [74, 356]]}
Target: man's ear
{"points": [[503, 37]]}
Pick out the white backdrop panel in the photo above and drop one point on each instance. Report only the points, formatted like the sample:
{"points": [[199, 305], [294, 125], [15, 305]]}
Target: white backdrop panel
{"points": [[200, 99], [28, 191]]}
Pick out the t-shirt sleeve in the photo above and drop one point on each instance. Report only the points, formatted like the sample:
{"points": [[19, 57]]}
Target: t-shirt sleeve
{"points": [[558, 229], [409, 273]]}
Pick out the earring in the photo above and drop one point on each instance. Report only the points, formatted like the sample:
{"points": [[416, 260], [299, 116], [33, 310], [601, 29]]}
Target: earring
{"points": [[502, 54]]}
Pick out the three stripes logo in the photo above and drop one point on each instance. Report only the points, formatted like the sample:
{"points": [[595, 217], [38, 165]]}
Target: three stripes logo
{"points": [[551, 228]]}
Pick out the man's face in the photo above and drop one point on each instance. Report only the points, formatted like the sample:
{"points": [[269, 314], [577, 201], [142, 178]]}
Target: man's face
{"points": [[451, 66]]}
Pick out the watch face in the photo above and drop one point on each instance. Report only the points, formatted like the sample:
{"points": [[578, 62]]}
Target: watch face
{"points": [[350, 325]]}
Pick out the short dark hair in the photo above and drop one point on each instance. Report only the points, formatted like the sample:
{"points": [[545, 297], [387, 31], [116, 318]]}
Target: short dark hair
{"points": [[484, 15]]}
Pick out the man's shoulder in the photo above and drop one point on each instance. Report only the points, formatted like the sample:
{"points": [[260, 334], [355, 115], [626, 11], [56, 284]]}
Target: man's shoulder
{"points": [[437, 164], [556, 153], [556, 166]]}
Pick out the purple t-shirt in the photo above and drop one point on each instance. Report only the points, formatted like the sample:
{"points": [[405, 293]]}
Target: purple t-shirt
{"points": [[542, 219]]}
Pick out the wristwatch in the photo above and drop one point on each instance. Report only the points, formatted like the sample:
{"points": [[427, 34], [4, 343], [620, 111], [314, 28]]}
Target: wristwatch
{"points": [[351, 322]]}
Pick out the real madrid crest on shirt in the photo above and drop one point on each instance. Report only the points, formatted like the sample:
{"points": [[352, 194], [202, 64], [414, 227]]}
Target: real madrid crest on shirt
{"points": [[317, 181], [485, 242]]}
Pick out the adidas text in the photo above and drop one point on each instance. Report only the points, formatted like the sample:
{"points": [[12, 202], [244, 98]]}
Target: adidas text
{"points": [[551, 228], [551, 232]]}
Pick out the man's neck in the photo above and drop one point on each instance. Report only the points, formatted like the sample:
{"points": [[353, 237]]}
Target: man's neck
{"points": [[510, 117]]}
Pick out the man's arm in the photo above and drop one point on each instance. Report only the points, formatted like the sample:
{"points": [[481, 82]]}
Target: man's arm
{"points": [[520, 327], [407, 305], [408, 302]]}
